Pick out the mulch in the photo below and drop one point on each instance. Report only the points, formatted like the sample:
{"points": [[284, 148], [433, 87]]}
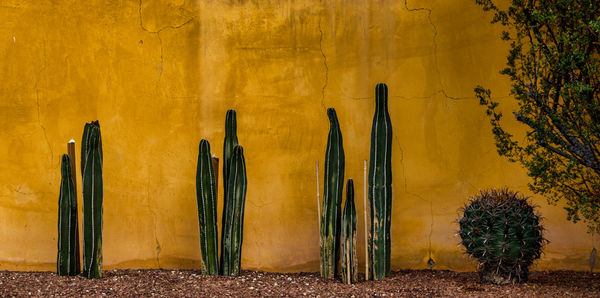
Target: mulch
{"points": [[188, 283]]}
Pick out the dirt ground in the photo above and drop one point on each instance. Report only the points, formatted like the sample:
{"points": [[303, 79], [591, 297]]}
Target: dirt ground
{"points": [[187, 283]]}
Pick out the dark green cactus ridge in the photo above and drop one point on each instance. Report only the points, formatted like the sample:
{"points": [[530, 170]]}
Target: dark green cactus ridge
{"points": [[349, 258], [502, 231], [234, 230], [206, 196], [85, 140], [67, 257], [229, 144], [332, 198], [380, 187], [92, 201]]}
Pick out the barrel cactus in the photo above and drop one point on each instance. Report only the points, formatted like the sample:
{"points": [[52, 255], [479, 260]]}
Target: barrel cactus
{"points": [[502, 230]]}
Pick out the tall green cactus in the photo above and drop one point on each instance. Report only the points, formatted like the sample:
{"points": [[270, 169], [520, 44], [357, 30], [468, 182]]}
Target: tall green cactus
{"points": [[348, 249], [231, 243], [332, 198], [67, 259], [380, 187], [230, 142], [206, 196], [92, 200]]}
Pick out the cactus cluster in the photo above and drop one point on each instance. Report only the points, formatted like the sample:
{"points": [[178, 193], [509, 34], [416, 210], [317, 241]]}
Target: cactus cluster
{"points": [[67, 261], [501, 229], [91, 169], [380, 187], [332, 198], [234, 190], [235, 185]]}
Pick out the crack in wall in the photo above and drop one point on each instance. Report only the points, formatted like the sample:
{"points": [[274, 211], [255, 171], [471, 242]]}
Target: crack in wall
{"points": [[157, 32], [37, 98], [153, 221], [430, 235], [37, 101], [421, 97], [435, 50], [430, 262], [324, 63]]}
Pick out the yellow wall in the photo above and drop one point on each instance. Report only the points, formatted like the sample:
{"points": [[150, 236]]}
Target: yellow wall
{"points": [[160, 75]]}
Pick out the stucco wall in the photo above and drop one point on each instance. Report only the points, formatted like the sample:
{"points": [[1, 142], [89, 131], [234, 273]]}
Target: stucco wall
{"points": [[160, 75]]}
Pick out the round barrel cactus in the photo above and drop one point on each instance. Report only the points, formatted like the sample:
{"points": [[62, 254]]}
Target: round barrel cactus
{"points": [[502, 230]]}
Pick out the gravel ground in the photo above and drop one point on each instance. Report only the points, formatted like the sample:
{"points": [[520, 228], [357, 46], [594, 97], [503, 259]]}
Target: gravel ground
{"points": [[254, 283]]}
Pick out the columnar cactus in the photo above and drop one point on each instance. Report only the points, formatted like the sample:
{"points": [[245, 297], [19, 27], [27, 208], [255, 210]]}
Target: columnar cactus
{"points": [[502, 231], [92, 200], [231, 243], [67, 262], [229, 143], [206, 196], [332, 198], [380, 187], [348, 250]]}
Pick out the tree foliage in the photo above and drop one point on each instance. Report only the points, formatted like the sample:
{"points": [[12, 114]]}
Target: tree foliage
{"points": [[553, 65]]}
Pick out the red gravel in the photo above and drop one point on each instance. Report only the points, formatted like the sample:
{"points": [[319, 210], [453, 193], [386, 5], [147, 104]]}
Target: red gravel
{"points": [[253, 283]]}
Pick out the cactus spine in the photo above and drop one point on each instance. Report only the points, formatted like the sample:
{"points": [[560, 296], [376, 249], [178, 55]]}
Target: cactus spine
{"points": [[332, 198], [234, 230], [67, 259], [348, 249], [206, 196], [92, 200], [380, 187]]}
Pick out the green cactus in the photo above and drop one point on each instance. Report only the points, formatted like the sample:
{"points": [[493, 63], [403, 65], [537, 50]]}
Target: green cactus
{"points": [[231, 255], [380, 187], [332, 198], [228, 146], [502, 231], [348, 250], [92, 201], [206, 196], [67, 262]]}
